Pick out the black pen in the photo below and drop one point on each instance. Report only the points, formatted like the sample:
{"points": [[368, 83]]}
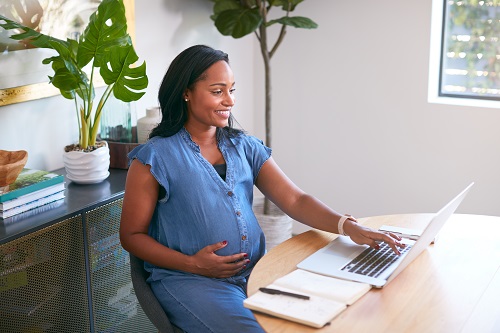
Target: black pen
{"points": [[281, 292]]}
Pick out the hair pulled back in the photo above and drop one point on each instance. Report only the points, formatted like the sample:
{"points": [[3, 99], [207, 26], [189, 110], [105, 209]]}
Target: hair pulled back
{"points": [[184, 71]]}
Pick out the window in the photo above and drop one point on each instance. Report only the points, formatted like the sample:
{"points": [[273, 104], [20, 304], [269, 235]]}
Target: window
{"points": [[465, 52]]}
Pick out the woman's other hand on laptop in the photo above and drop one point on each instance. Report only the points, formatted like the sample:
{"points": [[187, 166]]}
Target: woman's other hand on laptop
{"points": [[364, 235]]}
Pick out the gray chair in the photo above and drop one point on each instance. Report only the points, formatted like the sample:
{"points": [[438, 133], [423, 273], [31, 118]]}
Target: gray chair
{"points": [[147, 299]]}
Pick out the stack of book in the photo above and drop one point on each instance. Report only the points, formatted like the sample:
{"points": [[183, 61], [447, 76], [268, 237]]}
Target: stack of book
{"points": [[32, 189]]}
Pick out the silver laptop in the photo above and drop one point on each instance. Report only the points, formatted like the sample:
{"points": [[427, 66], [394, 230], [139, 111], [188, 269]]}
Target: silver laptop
{"points": [[342, 258]]}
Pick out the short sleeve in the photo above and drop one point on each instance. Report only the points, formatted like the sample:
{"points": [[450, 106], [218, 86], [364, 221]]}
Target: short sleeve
{"points": [[256, 152], [148, 155]]}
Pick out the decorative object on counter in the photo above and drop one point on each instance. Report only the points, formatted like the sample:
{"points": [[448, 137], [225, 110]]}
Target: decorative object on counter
{"points": [[117, 121], [87, 167], [118, 130], [104, 45], [146, 124], [118, 152], [11, 165], [240, 18]]}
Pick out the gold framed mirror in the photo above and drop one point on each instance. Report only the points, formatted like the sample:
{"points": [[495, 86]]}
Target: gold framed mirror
{"points": [[11, 91]]}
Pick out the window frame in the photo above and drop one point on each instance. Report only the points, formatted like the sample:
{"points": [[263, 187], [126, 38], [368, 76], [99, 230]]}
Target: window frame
{"points": [[435, 59]]}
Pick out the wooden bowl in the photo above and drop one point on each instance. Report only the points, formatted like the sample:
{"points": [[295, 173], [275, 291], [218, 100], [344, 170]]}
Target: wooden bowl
{"points": [[11, 165]]}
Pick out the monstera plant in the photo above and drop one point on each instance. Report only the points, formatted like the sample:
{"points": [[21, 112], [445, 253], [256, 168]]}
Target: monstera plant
{"points": [[238, 18], [105, 46]]}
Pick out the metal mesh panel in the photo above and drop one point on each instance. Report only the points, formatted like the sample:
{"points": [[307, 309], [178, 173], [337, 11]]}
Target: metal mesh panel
{"points": [[43, 281], [115, 306]]}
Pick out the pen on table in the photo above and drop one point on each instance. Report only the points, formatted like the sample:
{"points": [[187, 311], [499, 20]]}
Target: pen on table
{"points": [[281, 292]]}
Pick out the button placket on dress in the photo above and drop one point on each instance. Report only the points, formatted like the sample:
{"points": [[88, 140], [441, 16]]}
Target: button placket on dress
{"points": [[226, 186], [229, 183]]}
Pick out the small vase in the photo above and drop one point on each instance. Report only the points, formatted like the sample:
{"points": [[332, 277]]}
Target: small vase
{"points": [[146, 124], [87, 167], [117, 121]]}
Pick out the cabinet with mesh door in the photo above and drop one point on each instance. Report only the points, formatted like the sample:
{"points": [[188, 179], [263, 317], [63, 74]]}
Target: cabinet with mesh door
{"points": [[64, 270], [43, 284], [115, 306]]}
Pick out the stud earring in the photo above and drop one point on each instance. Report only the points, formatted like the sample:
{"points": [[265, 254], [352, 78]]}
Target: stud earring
{"points": [[186, 99]]}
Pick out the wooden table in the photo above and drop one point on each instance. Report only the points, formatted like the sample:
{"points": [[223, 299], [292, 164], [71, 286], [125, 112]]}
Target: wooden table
{"points": [[453, 286]]}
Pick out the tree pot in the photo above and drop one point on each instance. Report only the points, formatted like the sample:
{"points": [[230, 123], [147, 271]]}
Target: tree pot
{"points": [[277, 226]]}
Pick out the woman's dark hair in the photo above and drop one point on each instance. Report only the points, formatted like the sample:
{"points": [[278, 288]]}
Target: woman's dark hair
{"points": [[184, 71]]}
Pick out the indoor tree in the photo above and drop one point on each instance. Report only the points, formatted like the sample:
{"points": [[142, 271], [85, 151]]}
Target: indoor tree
{"points": [[238, 18]]}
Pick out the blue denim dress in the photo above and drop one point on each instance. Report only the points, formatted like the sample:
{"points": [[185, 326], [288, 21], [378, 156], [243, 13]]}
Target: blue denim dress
{"points": [[199, 208]]}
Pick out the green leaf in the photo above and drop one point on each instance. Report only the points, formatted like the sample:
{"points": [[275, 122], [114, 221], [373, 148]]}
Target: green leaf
{"points": [[296, 21], [223, 5], [37, 39], [127, 80], [64, 78], [107, 28], [285, 3], [238, 22]]}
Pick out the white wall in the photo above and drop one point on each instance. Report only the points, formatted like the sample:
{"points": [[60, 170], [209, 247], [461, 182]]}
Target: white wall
{"points": [[352, 124], [352, 121], [166, 27]]}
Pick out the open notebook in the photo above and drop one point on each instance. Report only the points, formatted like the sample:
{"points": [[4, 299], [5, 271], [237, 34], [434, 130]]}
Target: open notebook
{"points": [[327, 297]]}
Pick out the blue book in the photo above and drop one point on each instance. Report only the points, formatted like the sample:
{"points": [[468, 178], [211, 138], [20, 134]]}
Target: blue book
{"points": [[28, 181]]}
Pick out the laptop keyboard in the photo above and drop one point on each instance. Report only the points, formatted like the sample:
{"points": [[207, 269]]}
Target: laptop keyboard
{"points": [[372, 262]]}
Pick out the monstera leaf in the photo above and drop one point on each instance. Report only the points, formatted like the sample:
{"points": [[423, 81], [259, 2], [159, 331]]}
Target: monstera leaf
{"points": [[117, 69], [104, 44], [107, 28]]}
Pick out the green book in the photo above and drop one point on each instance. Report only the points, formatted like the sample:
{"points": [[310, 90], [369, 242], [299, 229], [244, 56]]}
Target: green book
{"points": [[30, 180]]}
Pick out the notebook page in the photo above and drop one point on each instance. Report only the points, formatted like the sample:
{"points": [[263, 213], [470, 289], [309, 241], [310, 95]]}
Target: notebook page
{"points": [[315, 312], [339, 290]]}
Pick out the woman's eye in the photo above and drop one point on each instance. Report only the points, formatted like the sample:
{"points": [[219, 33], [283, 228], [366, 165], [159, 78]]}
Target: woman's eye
{"points": [[232, 90], [217, 92]]}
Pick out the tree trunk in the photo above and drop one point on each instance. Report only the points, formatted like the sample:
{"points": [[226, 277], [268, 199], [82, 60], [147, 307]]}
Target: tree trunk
{"points": [[268, 88]]}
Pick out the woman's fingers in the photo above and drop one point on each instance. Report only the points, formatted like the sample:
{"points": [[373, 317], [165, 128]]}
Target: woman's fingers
{"points": [[371, 237], [213, 265]]}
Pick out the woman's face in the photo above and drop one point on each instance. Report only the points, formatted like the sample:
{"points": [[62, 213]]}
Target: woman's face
{"points": [[211, 99]]}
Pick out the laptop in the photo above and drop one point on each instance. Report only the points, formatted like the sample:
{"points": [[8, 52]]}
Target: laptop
{"points": [[341, 257]]}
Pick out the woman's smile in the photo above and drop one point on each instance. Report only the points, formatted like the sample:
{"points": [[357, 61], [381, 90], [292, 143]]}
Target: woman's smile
{"points": [[223, 114]]}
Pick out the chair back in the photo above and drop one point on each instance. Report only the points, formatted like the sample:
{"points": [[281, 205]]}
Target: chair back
{"points": [[148, 301]]}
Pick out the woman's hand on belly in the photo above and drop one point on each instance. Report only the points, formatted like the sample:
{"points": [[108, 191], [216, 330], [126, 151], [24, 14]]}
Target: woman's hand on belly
{"points": [[206, 262]]}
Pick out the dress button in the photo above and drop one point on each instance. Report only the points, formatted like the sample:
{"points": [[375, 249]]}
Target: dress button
{"points": [[243, 237], [230, 193], [238, 213]]}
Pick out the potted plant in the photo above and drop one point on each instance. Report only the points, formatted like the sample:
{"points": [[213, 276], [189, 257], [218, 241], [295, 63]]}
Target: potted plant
{"points": [[104, 45], [238, 18]]}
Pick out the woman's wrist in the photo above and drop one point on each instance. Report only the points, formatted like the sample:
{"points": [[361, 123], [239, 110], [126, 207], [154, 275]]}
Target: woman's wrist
{"points": [[343, 221]]}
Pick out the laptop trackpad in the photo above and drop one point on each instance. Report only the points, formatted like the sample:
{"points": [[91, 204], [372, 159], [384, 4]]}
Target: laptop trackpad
{"points": [[344, 247]]}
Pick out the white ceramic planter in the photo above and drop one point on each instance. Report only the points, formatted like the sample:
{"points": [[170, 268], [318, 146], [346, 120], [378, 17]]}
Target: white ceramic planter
{"points": [[87, 168]]}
